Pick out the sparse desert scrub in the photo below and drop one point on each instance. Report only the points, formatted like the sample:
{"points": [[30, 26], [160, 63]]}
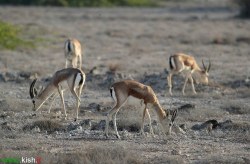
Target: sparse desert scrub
{"points": [[236, 107], [44, 125], [164, 28], [222, 159], [198, 114]]}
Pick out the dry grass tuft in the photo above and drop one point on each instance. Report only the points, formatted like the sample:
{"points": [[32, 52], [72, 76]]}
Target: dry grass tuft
{"points": [[222, 160], [113, 67], [235, 107], [44, 125], [238, 126]]}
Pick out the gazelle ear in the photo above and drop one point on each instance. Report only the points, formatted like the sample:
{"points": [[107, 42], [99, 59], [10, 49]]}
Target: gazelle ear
{"points": [[40, 90], [35, 91], [174, 114]]}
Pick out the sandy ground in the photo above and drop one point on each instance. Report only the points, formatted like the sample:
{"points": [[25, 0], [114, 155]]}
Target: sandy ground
{"points": [[136, 43]]}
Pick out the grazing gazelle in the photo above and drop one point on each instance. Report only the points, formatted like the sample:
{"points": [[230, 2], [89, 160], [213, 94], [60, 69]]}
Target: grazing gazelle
{"points": [[71, 78], [120, 91], [182, 63], [73, 53]]}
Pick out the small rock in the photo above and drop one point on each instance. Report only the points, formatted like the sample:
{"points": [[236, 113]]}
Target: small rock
{"points": [[36, 130], [86, 124], [72, 126], [176, 152]]}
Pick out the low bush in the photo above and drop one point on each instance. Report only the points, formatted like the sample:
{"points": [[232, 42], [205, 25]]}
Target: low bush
{"points": [[10, 37]]}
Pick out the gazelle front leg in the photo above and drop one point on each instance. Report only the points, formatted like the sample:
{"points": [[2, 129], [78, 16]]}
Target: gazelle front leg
{"points": [[169, 79], [53, 99], [142, 124], [188, 77], [150, 124], [62, 99], [115, 126], [192, 84]]}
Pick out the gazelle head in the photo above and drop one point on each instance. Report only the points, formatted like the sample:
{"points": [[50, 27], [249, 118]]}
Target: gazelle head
{"points": [[168, 122], [204, 73], [33, 95]]}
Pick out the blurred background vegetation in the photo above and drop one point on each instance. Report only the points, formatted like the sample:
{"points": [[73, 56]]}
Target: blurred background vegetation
{"points": [[82, 3], [10, 37]]}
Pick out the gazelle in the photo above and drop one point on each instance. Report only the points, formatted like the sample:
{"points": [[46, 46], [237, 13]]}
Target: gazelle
{"points": [[72, 78], [182, 63], [73, 53], [120, 91]]}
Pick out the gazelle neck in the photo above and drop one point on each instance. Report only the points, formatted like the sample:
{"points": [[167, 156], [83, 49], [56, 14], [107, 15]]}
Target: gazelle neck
{"points": [[44, 95], [160, 112]]}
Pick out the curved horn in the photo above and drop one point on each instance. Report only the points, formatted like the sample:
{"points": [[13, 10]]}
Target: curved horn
{"points": [[174, 115], [204, 67], [209, 66], [32, 89]]}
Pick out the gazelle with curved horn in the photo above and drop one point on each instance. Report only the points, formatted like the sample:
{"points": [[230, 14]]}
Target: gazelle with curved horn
{"points": [[182, 63], [73, 53], [120, 91], [71, 78]]}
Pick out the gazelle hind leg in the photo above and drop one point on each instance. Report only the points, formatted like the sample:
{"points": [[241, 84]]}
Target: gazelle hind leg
{"points": [[66, 63], [79, 92], [77, 98], [74, 62], [80, 61], [113, 112]]}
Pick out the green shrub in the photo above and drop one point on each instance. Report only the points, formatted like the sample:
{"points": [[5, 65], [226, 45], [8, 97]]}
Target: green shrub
{"points": [[10, 37]]}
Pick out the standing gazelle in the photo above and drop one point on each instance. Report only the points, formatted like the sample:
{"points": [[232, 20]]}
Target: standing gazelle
{"points": [[72, 78], [120, 91], [182, 63], [73, 53]]}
